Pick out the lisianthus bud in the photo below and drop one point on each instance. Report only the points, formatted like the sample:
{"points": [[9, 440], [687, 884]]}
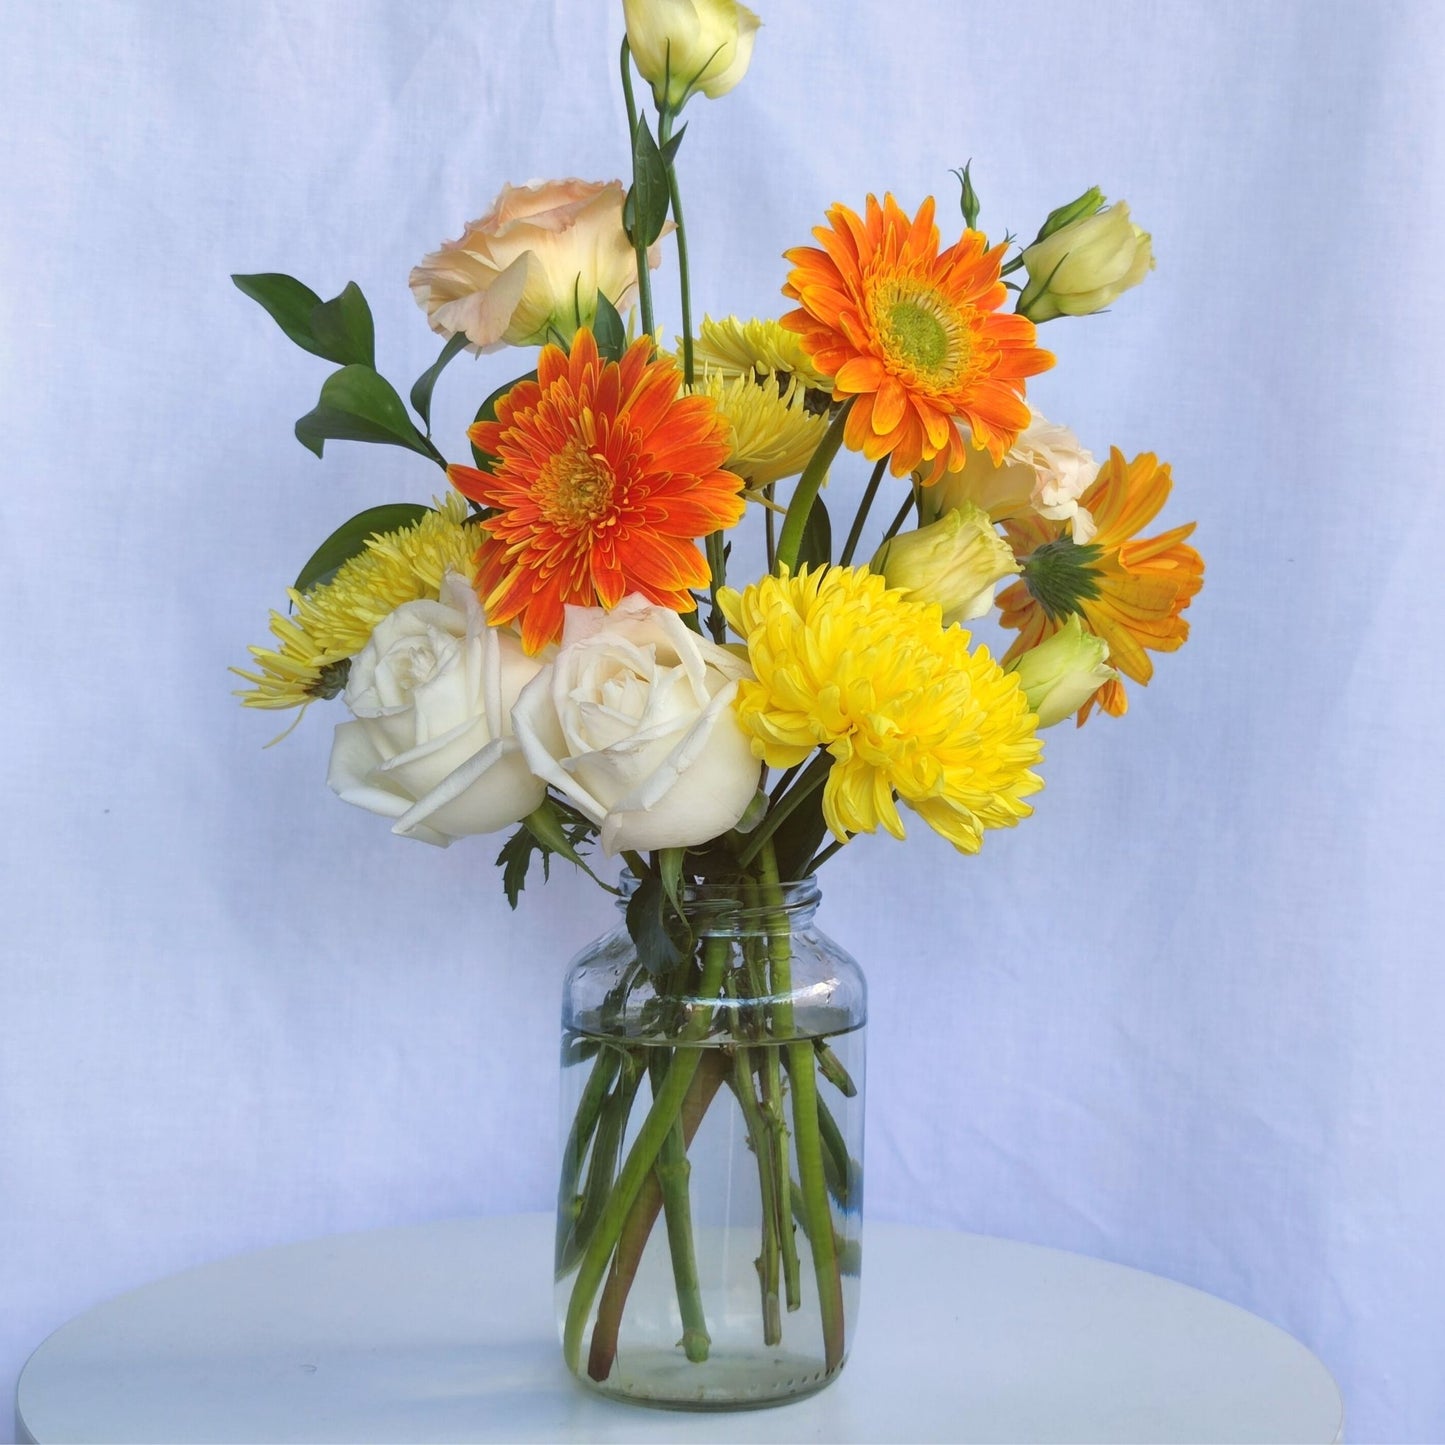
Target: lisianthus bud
{"points": [[1085, 265], [1063, 672], [956, 562], [682, 46]]}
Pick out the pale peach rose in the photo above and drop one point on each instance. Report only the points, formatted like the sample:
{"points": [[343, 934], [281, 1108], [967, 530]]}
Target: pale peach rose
{"points": [[532, 266]]}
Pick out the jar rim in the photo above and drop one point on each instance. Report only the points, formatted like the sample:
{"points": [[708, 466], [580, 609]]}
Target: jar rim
{"points": [[718, 901]]}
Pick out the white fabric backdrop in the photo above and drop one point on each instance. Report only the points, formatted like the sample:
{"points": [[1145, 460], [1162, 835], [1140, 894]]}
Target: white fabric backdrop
{"points": [[1188, 1017]]}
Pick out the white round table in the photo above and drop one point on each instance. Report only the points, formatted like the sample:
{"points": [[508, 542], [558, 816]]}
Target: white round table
{"points": [[444, 1332]]}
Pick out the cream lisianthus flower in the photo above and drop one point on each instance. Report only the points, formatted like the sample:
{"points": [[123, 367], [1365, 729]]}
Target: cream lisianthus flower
{"points": [[529, 270], [682, 46], [1046, 471], [1085, 265], [955, 562], [1063, 672]]}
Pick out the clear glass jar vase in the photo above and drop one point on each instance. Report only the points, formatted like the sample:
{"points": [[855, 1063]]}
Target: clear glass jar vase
{"points": [[710, 1203]]}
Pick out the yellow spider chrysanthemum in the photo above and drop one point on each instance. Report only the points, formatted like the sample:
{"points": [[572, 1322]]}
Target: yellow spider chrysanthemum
{"points": [[773, 434], [908, 712], [332, 623], [757, 348]]}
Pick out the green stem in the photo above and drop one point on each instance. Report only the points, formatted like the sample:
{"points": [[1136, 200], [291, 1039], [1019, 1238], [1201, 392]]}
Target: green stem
{"points": [[664, 134], [806, 492], [837, 1166], [831, 1067], [758, 1137], [861, 516], [644, 280], [611, 1126], [823, 854], [770, 525], [807, 1142], [899, 520], [638, 1228], [673, 1172], [579, 1136], [813, 777], [717, 573], [777, 1126], [643, 1155]]}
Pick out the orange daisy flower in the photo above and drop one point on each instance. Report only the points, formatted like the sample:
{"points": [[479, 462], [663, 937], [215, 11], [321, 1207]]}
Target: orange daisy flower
{"points": [[605, 477], [1127, 589], [915, 336]]}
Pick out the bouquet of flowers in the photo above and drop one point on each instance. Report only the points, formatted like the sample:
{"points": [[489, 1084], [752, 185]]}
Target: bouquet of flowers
{"points": [[578, 645]]}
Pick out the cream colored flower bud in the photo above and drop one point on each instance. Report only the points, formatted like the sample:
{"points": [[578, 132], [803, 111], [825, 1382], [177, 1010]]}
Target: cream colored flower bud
{"points": [[681, 46], [956, 562], [1063, 672], [1085, 265]]}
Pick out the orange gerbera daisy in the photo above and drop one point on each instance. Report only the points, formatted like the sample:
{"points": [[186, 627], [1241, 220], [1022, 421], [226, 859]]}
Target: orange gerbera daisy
{"points": [[605, 476], [915, 336], [1127, 589]]}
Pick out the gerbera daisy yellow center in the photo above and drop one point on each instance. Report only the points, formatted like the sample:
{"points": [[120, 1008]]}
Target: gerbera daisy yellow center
{"points": [[575, 487], [920, 329], [605, 475], [913, 336]]}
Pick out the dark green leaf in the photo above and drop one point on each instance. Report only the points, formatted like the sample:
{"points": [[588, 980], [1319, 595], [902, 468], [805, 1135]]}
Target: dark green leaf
{"points": [[541, 832], [799, 837], [669, 151], [488, 412], [514, 860], [357, 405], [607, 328], [343, 329], [350, 538], [288, 302], [647, 923], [816, 548], [425, 384], [649, 195]]}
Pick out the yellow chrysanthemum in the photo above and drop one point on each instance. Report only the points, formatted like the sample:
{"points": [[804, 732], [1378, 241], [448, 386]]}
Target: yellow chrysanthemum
{"points": [[908, 712], [757, 349], [332, 623], [773, 434]]}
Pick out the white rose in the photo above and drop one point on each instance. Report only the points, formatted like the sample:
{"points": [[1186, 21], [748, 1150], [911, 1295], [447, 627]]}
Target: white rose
{"points": [[633, 723], [431, 746]]}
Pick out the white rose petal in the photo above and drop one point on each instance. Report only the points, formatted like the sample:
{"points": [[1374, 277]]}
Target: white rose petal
{"points": [[633, 723], [431, 745]]}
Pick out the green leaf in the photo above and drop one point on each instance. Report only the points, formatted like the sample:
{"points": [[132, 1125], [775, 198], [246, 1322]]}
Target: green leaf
{"points": [[425, 384], [816, 548], [488, 412], [343, 330], [541, 832], [648, 198], [288, 302], [607, 328], [968, 199], [669, 868], [799, 837], [350, 538], [357, 405], [669, 151], [647, 922]]}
